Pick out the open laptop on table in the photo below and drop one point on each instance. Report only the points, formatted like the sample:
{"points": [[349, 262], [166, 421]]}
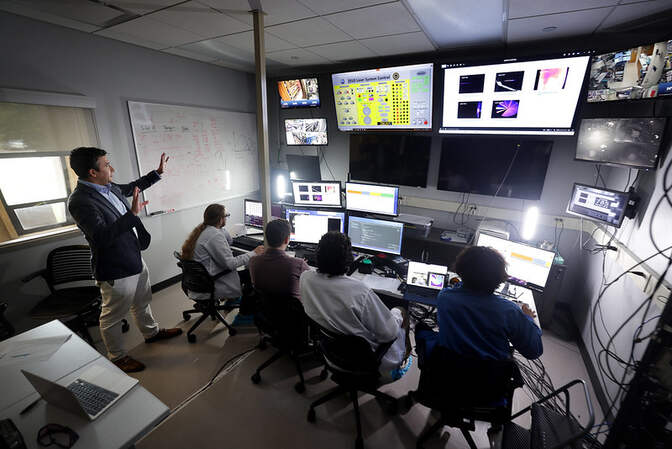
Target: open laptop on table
{"points": [[93, 392], [424, 282]]}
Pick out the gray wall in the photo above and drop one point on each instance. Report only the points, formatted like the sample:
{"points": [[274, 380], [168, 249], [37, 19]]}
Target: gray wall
{"points": [[39, 56]]}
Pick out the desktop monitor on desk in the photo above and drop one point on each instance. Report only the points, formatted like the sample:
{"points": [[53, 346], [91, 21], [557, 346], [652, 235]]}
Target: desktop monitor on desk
{"points": [[317, 193], [309, 225], [254, 216], [380, 236], [524, 262], [372, 198]]}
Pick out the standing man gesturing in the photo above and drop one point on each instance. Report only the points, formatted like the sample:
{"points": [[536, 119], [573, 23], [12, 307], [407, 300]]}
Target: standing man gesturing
{"points": [[116, 236]]}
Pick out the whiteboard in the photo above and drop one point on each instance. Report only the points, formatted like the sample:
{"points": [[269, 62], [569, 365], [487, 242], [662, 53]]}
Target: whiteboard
{"points": [[213, 154]]}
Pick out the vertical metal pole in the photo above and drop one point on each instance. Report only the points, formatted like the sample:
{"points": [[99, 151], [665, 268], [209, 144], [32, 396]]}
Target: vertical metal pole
{"points": [[262, 114]]}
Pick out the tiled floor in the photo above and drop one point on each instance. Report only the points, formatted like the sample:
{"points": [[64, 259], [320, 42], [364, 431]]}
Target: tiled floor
{"points": [[271, 415]]}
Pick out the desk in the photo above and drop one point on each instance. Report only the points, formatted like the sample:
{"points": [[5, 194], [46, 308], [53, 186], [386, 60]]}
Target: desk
{"points": [[137, 412]]}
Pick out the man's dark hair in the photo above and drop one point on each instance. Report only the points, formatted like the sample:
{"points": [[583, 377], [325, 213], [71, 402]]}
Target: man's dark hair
{"points": [[83, 159], [334, 253], [277, 232], [482, 269]]}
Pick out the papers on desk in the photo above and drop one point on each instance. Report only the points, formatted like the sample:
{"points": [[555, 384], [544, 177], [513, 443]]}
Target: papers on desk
{"points": [[375, 282], [30, 350]]}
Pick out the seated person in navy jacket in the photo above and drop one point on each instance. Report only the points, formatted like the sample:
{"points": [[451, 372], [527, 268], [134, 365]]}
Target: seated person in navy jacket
{"points": [[473, 321], [116, 236]]}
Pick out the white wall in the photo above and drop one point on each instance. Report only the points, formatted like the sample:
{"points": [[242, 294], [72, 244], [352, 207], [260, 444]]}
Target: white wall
{"points": [[40, 56]]}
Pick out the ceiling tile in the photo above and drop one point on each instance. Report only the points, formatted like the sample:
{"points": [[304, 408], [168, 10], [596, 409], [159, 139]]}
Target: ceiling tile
{"points": [[245, 41], [307, 32], [142, 6], [568, 24], [235, 65], [331, 6], [343, 51], [627, 13], [297, 57], [462, 24], [189, 54], [131, 39], [277, 11], [22, 9], [528, 8], [399, 44], [200, 19], [82, 11], [218, 50], [151, 30], [381, 20]]}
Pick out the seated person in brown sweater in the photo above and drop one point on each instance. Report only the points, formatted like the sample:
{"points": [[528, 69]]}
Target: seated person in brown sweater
{"points": [[275, 272]]}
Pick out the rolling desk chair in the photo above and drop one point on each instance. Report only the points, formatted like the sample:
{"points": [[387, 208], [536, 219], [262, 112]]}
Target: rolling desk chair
{"points": [[354, 367], [67, 265], [196, 279], [464, 390]]}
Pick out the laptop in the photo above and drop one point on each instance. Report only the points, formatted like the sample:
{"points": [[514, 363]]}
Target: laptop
{"points": [[254, 218], [424, 282], [96, 390]]}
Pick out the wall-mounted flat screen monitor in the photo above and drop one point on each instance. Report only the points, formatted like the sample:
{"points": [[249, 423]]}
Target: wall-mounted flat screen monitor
{"points": [[385, 98], [604, 205], [524, 262], [372, 198], [253, 214], [309, 225], [317, 194], [515, 96], [638, 72], [299, 93], [390, 159], [303, 168], [481, 164], [632, 142], [380, 236], [306, 131]]}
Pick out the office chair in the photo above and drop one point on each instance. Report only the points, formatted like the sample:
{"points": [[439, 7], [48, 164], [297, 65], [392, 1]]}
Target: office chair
{"points": [[6, 328], [284, 324], [464, 390], [552, 424], [67, 265], [196, 279], [354, 367]]}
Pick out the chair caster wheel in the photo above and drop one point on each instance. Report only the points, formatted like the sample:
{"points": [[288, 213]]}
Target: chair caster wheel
{"points": [[311, 415], [299, 387], [324, 374], [256, 378], [191, 338], [232, 332], [359, 443], [186, 316], [124, 326]]}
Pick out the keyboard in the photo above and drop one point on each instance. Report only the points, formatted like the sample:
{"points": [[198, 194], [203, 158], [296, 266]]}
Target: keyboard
{"points": [[246, 242], [91, 397]]}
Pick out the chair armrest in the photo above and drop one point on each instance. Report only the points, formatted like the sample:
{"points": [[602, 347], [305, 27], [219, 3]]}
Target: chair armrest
{"points": [[32, 276]]}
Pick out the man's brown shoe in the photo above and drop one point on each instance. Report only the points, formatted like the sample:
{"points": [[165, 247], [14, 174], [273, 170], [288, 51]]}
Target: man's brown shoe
{"points": [[129, 365], [164, 334]]}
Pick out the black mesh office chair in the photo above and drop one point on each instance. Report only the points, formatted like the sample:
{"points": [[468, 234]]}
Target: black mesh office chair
{"points": [[552, 424], [284, 324], [354, 367], [6, 328], [465, 390], [77, 306], [196, 279]]}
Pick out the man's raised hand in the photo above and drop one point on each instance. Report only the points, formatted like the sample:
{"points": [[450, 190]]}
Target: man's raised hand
{"points": [[162, 164], [137, 205]]}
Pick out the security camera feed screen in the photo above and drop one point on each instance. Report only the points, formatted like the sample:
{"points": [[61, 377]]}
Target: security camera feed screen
{"points": [[633, 142], [385, 98], [301, 93], [639, 72], [306, 131], [527, 96], [607, 206]]}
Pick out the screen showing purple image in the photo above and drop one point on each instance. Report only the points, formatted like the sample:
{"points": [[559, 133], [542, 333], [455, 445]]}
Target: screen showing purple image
{"points": [[436, 280], [505, 109], [317, 197]]}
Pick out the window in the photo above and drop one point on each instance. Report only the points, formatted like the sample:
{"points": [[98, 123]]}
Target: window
{"points": [[35, 174]]}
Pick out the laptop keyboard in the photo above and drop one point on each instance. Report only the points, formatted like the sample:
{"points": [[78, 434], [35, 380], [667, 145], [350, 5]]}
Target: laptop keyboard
{"points": [[92, 397]]}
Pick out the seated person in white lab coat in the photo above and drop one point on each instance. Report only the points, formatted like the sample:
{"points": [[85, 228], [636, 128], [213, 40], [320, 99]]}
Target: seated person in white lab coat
{"points": [[346, 305], [210, 244]]}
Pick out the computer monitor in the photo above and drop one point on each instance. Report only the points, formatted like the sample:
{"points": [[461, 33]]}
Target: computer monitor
{"points": [[299, 93], [309, 225], [303, 168], [306, 131], [253, 214], [317, 194], [524, 262], [381, 236], [372, 198], [426, 275], [604, 205]]}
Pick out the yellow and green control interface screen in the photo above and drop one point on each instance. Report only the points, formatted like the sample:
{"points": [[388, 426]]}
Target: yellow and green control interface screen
{"points": [[392, 98]]}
